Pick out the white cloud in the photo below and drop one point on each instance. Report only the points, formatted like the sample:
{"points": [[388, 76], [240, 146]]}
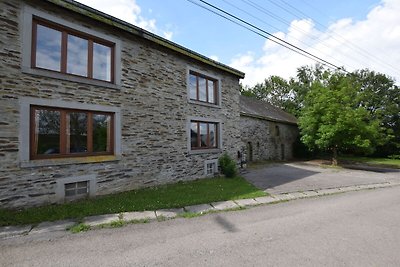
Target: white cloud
{"points": [[168, 35], [214, 57], [371, 43], [129, 11]]}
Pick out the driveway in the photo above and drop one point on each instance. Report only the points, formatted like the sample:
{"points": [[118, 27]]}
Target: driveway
{"points": [[302, 176]]}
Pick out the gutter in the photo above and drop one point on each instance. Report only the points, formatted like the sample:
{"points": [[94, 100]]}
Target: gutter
{"points": [[125, 26]]}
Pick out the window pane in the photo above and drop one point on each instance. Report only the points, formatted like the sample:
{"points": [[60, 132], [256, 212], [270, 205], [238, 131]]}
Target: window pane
{"points": [[193, 86], [77, 133], [193, 134], [101, 62], [48, 48], [203, 134], [47, 132], [70, 193], [101, 133], [202, 89], [77, 55], [70, 186], [212, 131], [81, 191], [211, 98]]}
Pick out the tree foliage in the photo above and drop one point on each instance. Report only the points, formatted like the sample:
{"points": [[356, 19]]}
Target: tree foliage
{"points": [[332, 118], [356, 112]]}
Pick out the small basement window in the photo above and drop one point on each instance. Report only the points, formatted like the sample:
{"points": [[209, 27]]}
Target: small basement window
{"points": [[76, 190], [210, 167]]}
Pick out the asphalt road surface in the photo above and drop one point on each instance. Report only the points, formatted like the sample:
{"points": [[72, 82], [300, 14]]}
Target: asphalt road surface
{"points": [[352, 229]]}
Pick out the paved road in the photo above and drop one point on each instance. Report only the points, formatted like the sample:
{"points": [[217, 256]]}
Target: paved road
{"points": [[352, 229], [301, 176]]}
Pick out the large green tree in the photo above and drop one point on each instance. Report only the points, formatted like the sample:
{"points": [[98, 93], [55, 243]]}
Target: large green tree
{"points": [[332, 118], [381, 97], [373, 93]]}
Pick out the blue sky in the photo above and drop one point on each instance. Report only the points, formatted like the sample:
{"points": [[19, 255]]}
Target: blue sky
{"points": [[355, 34]]}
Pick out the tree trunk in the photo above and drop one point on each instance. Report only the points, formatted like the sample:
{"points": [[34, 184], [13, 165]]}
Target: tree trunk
{"points": [[334, 156]]}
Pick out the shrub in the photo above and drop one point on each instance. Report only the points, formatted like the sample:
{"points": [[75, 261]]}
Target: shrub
{"points": [[394, 156], [228, 165]]}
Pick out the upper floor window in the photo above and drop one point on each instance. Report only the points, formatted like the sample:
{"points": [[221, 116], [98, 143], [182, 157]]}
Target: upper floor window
{"points": [[203, 88], [67, 51], [59, 132], [203, 135]]}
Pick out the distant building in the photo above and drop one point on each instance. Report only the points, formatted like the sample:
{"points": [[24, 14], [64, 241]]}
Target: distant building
{"points": [[267, 132]]}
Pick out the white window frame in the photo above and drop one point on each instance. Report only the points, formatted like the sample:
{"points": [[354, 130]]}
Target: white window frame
{"points": [[211, 161], [205, 150], [209, 75], [60, 185], [26, 21], [24, 131]]}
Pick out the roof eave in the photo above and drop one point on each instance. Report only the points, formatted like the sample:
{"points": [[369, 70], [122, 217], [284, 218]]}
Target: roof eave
{"points": [[267, 118], [110, 20]]}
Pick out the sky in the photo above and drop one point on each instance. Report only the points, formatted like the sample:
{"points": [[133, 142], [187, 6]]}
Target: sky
{"points": [[353, 34]]}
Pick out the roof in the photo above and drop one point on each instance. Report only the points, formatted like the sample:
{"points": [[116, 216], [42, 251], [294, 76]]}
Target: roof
{"points": [[252, 107], [125, 26]]}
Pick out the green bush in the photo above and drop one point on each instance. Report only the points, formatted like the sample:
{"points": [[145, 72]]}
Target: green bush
{"points": [[394, 156], [228, 165]]}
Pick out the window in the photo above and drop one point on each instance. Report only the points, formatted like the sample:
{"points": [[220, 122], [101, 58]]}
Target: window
{"points": [[76, 190], [203, 135], [59, 132], [210, 167], [203, 88], [60, 49], [277, 130]]}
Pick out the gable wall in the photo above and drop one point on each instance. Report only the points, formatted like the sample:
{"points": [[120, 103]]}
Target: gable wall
{"points": [[152, 100], [261, 136]]}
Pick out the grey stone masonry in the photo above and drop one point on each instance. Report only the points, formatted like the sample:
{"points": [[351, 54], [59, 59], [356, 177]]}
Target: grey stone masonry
{"points": [[268, 132], [150, 101], [267, 140]]}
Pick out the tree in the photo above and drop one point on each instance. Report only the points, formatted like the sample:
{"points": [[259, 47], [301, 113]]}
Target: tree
{"points": [[332, 118], [381, 97], [275, 90]]}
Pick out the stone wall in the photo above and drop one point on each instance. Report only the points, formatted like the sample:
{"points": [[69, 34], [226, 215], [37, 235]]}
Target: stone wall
{"points": [[267, 140], [154, 115]]}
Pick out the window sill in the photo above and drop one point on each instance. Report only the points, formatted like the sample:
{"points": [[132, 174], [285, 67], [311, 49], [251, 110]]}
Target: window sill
{"points": [[71, 78], [68, 161], [204, 151], [204, 104]]}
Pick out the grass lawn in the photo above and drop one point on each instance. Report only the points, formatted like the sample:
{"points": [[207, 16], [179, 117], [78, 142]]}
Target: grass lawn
{"points": [[394, 163], [162, 197]]}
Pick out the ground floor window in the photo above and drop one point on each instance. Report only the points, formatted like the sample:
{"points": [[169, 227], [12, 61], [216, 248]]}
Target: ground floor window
{"points": [[203, 135], [60, 132]]}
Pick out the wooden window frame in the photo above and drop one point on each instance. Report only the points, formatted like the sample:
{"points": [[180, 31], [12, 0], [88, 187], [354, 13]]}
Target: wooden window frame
{"points": [[65, 31], [198, 141], [63, 144], [207, 78]]}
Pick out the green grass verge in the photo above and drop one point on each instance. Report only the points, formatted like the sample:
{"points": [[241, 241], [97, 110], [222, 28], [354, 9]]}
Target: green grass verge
{"points": [[162, 197], [394, 163]]}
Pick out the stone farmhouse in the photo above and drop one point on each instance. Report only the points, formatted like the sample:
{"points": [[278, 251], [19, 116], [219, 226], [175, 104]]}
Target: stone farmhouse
{"points": [[91, 105], [267, 132]]}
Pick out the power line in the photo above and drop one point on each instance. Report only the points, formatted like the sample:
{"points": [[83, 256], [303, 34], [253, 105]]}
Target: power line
{"points": [[276, 28], [265, 33], [267, 12], [347, 43]]}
